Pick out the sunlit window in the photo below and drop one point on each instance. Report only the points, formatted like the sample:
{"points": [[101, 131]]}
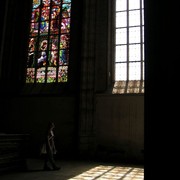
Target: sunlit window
{"points": [[49, 39], [129, 47]]}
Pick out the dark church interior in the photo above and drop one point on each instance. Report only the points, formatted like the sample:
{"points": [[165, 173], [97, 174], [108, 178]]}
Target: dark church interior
{"points": [[93, 127]]}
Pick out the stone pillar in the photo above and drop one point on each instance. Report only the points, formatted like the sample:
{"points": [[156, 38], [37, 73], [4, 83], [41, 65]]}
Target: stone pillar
{"points": [[86, 110]]}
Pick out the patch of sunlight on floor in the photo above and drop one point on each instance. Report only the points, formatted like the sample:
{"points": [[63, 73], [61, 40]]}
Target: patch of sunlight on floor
{"points": [[102, 172]]}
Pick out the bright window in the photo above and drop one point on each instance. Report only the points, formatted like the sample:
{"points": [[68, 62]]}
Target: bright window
{"points": [[49, 39], [129, 47]]}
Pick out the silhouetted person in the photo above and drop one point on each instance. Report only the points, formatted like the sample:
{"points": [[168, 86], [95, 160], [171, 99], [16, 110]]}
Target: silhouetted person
{"points": [[50, 149]]}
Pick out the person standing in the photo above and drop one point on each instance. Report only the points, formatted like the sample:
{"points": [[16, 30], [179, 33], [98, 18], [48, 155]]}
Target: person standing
{"points": [[50, 149]]}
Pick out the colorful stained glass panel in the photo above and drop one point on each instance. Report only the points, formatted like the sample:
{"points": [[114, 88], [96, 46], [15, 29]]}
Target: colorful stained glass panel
{"points": [[65, 25], [36, 3], [30, 75], [56, 2], [64, 41], [51, 75], [66, 1], [63, 74], [49, 39]]}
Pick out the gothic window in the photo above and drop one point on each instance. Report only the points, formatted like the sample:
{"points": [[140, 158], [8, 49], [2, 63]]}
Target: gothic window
{"points": [[129, 47], [49, 42]]}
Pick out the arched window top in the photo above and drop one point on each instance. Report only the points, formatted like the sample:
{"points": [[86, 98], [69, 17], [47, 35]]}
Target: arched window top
{"points": [[49, 42]]}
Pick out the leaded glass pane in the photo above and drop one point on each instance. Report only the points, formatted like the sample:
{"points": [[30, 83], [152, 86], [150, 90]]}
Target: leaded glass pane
{"points": [[65, 25], [30, 75], [40, 77], [64, 57], [46, 2], [121, 71], [121, 53], [66, 1], [134, 35], [134, 71], [63, 74], [134, 52], [134, 4], [36, 3], [121, 19], [64, 41], [121, 36], [51, 75], [121, 5], [66, 10], [134, 18], [56, 2]]}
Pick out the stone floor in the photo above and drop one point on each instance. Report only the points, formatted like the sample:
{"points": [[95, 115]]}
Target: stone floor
{"points": [[77, 170]]}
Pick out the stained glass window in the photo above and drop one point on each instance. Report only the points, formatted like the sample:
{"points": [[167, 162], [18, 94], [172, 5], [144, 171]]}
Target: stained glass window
{"points": [[129, 47], [49, 39]]}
